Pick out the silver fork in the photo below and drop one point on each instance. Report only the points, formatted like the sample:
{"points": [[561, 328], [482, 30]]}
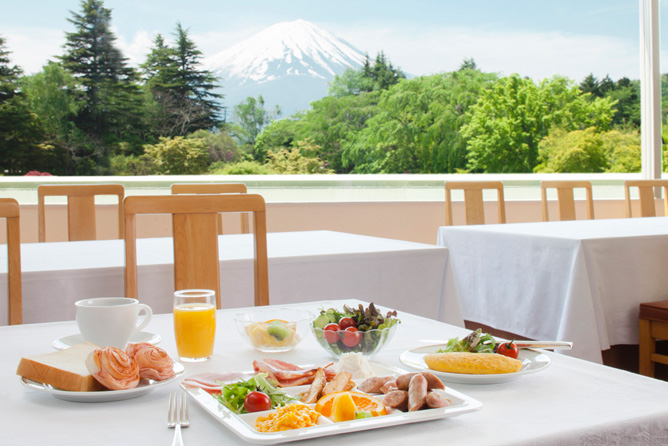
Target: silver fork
{"points": [[177, 415]]}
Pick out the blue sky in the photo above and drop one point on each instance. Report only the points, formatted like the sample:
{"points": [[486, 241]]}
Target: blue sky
{"points": [[531, 37]]}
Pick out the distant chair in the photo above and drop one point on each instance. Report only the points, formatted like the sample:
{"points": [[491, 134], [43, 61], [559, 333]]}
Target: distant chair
{"points": [[216, 188], [9, 209], [566, 198], [473, 202], [646, 195], [81, 222], [196, 258]]}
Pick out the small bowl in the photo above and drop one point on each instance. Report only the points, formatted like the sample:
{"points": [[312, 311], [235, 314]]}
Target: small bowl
{"points": [[273, 329], [372, 342]]}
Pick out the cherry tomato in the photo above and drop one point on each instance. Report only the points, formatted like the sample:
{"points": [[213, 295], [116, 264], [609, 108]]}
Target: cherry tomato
{"points": [[257, 401], [346, 322], [351, 337], [331, 332], [508, 349]]}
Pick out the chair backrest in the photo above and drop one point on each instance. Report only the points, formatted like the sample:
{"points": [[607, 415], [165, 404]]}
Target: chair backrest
{"points": [[566, 198], [473, 202], [216, 188], [80, 208], [196, 260], [646, 195], [9, 209]]}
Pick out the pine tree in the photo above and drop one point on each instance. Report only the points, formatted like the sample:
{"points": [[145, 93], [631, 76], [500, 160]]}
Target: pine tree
{"points": [[19, 128], [183, 90], [113, 99]]}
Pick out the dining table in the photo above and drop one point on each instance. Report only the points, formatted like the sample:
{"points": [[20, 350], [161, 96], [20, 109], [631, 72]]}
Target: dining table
{"points": [[579, 281], [303, 266], [570, 401]]}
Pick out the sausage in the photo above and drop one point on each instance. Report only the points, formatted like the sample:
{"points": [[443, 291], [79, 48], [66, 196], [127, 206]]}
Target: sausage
{"points": [[432, 381], [389, 386], [373, 384], [397, 399], [417, 392], [404, 380], [437, 399]]}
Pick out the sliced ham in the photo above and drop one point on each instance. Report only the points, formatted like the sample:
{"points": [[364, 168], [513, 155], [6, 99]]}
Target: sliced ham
{"points": [[288, 375]]}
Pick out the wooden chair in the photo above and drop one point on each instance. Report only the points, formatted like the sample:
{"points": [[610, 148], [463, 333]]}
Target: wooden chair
{"points": [[80, 208], [566, 198], [216, 188], [653, 317], [196, 261], [646, 195], [9, 209], [475, 210]]}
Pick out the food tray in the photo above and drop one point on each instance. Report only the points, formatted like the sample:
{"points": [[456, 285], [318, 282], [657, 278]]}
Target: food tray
{"points": [[244, 425]]}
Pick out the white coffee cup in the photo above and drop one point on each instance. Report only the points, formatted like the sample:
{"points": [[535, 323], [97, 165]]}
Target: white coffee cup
{"points": [[110, 321]]}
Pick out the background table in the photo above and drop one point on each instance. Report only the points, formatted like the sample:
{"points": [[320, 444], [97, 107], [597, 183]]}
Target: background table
{"points": [[571, 402], [577, 281], [303, 266]]}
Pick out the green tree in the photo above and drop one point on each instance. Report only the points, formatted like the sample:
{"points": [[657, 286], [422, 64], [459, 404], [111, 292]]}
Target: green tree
{"points": [[626, 93], [300, 160], [220, 145], [250, 118], [54, 96], [416, 127], [113, 103], [380, 75], [20, 130], [572, 152], [179, 156], [510, 120]]}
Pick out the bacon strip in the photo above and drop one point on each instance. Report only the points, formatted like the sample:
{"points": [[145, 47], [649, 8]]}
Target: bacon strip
{"points": [[288, 375]]}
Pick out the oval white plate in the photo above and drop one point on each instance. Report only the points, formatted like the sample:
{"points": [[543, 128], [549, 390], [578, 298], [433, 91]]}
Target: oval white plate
{"points": [[532, 361], [103, 396], [72, 340]]}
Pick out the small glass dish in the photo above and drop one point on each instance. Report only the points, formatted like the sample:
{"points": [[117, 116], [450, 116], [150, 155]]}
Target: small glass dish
{"points": [[273, 329], [371, 343]]}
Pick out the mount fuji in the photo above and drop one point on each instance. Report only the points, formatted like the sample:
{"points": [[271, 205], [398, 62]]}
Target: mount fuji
{"points": [[290, 64]]}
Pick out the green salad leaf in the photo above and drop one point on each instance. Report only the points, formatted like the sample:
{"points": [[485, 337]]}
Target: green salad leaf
{"points": [[233, 395], [476, 342]]}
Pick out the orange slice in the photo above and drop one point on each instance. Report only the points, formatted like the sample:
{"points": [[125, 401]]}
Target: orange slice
{"points": [[338, 405]]}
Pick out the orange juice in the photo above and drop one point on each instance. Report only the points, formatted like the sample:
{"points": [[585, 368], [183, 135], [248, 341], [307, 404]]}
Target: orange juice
{"points": [[194, 329]]}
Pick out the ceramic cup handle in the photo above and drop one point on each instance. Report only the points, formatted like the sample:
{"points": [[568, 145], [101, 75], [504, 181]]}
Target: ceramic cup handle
{"points": [[148, 314]]}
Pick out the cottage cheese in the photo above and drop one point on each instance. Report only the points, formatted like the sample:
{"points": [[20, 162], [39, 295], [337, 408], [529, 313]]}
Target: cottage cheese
{"points": [[355, 364]]}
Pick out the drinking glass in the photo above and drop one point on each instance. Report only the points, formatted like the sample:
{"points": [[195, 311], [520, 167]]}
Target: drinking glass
{"points": [[194, 324]]}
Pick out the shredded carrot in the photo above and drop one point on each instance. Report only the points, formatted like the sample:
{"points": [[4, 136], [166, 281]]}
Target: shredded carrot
{"points": [[292, 416]]}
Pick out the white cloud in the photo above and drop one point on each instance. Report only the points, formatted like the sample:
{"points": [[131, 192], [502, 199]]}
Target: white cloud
{"points": [[529, 53], [31, 48], [136, 49], [417, 50]]}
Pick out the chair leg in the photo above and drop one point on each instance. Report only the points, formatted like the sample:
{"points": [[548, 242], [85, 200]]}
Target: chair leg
{"points": [[646, 349]]}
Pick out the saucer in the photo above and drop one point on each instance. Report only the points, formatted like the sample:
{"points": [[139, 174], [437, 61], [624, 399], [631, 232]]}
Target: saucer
{"points": [[72, 340]]}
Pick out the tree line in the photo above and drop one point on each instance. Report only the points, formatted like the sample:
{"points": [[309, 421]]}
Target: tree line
{"points": [[90, 113]]}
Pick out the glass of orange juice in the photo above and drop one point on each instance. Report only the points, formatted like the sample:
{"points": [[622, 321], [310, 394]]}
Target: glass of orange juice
{"points": [[194, 324]]}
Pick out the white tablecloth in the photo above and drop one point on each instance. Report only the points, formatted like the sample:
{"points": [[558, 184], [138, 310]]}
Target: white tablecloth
{"points": [[572, 402], [303, 266], [577, 281]]}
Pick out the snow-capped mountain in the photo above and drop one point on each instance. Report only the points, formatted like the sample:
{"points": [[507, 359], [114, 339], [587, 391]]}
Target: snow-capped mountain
{"points": [[289, 64]]}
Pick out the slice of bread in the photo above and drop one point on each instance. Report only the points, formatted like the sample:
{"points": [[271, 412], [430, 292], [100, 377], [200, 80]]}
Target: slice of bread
{"points": [[64, 369]]}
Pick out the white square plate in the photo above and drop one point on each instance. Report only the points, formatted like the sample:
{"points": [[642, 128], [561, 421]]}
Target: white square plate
{"points": [[244, 425]]}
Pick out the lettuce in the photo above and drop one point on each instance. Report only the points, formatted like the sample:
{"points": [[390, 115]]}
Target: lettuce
{"points": [[233, 395], [476, 342]]}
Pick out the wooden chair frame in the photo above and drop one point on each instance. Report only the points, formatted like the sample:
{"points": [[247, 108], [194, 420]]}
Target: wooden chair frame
{"points": [[216, 188], [80, 208], [475, 207], [646, 195], [196, 260], [9, 209], [566, 198]]}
